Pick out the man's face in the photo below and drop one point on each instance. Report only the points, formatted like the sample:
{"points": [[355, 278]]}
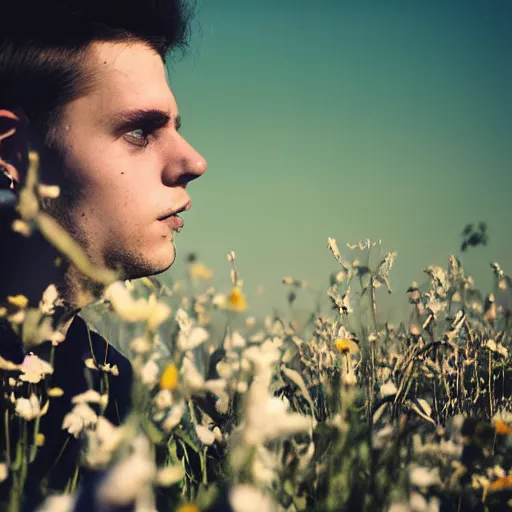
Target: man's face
{"points": [[129, 164]]}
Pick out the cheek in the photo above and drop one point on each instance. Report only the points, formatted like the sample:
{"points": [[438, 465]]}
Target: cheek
{"points": [[118, 189]]}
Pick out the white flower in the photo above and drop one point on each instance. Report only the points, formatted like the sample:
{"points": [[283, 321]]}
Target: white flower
{"points": [[170, 475], [222, 404], [263, 357], [219, 300], [267, 418], [136, 310], [49, 300], [114, 370], [81, 417], [163, 399], [245, 498], [149, 372], [264, 466], [234, 340], [140, 345], [174, 416], [424, 477], [90, 396], [193, 381], [58, 503], [130, 477], [3, 472], [382, 437], [183, 319], [205, 435], [33, 369], [29, 408], [388, 389], [189, 340], [102, 442]]}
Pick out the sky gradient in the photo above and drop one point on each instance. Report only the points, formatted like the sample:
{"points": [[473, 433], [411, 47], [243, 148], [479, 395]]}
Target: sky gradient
{"points": [[346, 119]]}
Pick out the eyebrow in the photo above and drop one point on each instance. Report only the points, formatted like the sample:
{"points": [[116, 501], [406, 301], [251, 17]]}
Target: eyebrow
{"points": [[150, 119]]}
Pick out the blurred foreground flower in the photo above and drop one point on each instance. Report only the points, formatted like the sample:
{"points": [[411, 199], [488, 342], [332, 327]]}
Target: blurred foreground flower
{"points": [[245, 498], [137, 310], [30, 408], [236, 300], [170, 378], [34, 369], [199, 272]]}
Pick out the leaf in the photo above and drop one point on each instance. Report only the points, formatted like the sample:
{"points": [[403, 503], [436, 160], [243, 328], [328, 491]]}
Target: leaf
{"points": [[423, 409], [297, 379], [379, 412]]}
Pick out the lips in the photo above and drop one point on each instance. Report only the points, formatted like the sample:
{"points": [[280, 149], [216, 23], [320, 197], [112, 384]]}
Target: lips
{"points": [[170, 213], [171, 216], [174, 222]]}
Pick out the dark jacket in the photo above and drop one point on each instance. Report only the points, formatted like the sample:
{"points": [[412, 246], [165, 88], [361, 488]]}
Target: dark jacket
{"points": [[57, 459]]}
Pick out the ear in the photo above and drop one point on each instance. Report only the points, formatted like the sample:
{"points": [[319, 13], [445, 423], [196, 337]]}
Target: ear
{"points": [[14, 145]]}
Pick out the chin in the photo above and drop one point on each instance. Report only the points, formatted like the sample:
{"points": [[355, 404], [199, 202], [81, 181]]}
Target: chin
{"points": [[144, 266]]}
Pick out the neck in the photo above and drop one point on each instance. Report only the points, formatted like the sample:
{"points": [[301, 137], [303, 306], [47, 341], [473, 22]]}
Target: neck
{"points": [[28, 265]]}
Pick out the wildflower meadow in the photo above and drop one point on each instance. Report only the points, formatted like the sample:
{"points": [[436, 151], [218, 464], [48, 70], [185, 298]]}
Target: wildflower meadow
{"points": [[342, 412]]}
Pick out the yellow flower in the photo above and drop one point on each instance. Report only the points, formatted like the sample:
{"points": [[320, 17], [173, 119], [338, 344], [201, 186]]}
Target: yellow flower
{"points": [[40, 439], [19, 301], [502, 428], [501, 484], [199, 271], [169, 379], [189, 507], [236, 300], [346, 346], [55, 392]]}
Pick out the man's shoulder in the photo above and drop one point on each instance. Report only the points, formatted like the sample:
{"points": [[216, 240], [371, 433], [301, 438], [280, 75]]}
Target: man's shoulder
{"points": [[119, 370]]}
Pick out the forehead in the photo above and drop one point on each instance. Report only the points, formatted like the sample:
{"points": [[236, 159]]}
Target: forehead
{"points": [[128, 75]]}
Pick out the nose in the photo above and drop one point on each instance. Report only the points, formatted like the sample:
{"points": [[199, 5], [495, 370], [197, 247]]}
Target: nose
{"points": [[186, 165]]}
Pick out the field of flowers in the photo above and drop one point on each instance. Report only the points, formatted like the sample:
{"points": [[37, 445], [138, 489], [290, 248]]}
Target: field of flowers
{"points": [[342, 412]]}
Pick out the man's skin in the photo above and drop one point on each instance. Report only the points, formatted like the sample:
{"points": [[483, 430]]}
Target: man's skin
{"points": [[118, 178]]}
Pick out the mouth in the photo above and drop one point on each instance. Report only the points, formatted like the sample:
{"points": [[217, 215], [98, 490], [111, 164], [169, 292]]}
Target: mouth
{"points": [[171, 216]]}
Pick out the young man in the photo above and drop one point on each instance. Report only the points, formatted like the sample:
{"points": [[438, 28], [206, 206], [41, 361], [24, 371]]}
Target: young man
{"points": [[84, 83]]}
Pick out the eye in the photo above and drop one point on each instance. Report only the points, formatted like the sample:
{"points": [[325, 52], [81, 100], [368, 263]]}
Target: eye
{"points": [[138, 137]]}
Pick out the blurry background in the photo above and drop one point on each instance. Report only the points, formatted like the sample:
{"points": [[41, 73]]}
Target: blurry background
{"points": [[348, 119]]}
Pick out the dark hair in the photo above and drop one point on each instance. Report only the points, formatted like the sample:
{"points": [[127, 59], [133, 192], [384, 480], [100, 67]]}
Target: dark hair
{"points": [[43, 44]]}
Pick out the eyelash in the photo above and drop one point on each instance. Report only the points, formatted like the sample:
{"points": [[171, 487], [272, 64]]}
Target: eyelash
{"points": [[135, 140]]}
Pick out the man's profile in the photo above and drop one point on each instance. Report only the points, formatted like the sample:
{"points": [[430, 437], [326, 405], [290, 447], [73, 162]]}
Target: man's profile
{"points": [[84, 83]]}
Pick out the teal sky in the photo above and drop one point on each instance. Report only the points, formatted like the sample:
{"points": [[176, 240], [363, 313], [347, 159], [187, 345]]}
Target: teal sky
{"points": [[349, 119]]}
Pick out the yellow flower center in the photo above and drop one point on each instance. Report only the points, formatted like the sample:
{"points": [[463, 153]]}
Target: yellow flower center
{"points": [[345, 346], [236, 300], [169, 379]]}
